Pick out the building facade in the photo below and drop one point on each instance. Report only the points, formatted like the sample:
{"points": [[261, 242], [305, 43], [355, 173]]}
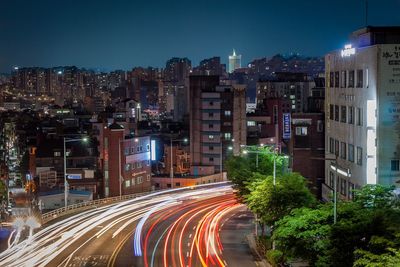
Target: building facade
{"points": [[217, 122], [362, 110]]}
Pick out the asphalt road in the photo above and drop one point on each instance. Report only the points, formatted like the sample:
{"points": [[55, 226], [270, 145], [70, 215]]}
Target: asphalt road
{"points": [[202, 227]]}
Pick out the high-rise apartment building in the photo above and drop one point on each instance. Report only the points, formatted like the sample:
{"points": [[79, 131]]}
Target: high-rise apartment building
{"points": [[235, 61], [217, 122], [362, 111]]}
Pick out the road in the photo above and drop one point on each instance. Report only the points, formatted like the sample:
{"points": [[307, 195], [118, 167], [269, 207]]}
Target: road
{"points": [[200, 227]]}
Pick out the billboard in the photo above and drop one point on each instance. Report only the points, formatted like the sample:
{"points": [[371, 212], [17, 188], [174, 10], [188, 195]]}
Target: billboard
{"points": [[286, 126]]}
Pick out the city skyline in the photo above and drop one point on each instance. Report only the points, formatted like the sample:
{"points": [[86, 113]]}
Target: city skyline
{"points": [[123, 35]]}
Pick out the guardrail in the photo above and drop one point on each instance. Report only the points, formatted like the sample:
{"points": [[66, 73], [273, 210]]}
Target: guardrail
{"points": [[51, 215]]}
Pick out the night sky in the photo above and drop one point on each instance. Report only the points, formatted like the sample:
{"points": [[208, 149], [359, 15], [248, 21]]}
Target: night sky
{"points": [[119, 34]]}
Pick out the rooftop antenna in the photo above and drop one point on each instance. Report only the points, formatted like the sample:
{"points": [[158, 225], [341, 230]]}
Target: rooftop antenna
{"points": [[366, 13]]}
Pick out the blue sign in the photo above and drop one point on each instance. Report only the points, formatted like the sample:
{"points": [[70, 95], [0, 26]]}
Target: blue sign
{"points": [[286, 126], [74, 176]]}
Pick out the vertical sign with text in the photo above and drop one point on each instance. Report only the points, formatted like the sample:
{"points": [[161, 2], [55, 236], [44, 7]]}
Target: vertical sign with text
{"points": [[286, 126]]}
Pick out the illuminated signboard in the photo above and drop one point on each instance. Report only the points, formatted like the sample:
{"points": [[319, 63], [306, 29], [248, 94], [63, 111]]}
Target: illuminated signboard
{"points": [[348, 51], [153, 149], [286, 126], [74, 176]]}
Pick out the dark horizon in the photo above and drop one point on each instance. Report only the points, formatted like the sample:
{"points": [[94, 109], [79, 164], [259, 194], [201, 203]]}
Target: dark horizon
{"points": [[121, 34]]}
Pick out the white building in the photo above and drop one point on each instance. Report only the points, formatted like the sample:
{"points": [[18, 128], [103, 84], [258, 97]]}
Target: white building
{"points": [[363, 111], [235, 61]]}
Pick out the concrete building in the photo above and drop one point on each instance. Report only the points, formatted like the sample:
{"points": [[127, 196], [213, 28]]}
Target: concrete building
{"points": [[362, 110], [307, 148], [126, 166], [217, 122], [235, 61]]}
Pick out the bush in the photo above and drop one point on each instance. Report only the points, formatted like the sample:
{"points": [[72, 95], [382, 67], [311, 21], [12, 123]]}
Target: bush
{"points": [[275, 257]]}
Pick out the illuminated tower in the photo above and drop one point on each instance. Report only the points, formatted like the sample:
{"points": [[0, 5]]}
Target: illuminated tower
{"points": [[234, 61]]}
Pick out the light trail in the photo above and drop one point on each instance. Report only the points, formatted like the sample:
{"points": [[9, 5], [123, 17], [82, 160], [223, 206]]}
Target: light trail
{"points": [[79, 230]]}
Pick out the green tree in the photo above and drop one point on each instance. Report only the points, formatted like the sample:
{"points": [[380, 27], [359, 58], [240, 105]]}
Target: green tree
{"points": [[272, 202], [304, 234]]}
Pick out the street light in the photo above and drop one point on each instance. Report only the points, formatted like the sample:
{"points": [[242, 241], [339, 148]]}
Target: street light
{"points": [[84, 139], [263, 152], [185, 140]]}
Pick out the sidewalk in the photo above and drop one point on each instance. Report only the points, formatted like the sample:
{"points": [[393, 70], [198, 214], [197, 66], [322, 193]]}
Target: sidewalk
{"points": [[253, 247]]}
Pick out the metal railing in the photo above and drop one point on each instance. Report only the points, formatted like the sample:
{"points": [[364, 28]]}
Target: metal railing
{"points": [[51, 215], [54, 214]]}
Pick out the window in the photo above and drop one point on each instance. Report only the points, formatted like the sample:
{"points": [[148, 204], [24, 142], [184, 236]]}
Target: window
{"points": [[336, 113], [132, 150], [351, 78], [211, 148], [127, 183], [227, 113], [211, 103], [350, 118], [320, 126], [228, 136], [331, 179], [147, 147], [211, 137], [126, 151], [301, 131], [139, 164], [343, 114], [359, 116], [148, 177], [337, 79], [331, 79], [331, 145], [127, 167], [331, 112], [351, 153], [251, 123], [211, 125], [343, 150], [394, 165], [57, 154], [351, 190], [343, 186], [360, 78], [366, 78], [344, 79], [359, 155], [139, 180], [336, 147], [210, 114], [148, 162], [178, 184], [211, 159], [133, 182]]}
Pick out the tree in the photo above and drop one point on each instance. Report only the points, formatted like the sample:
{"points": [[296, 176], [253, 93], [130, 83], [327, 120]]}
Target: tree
{"points": [[272, 202], [3, 190], [376, 196], [304, 234]]}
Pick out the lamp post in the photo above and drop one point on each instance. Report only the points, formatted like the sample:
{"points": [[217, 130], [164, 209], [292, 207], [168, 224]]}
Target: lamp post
{"points": [[172, 159], [263, 152], [84, 139]]}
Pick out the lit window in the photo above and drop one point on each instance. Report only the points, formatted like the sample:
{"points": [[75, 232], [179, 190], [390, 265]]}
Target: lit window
{"points": [[211, 137], [227, 136], [57, 154], [302, 131], [251, 123], [127, 183], [320, 126], [227, 113], [127, 167]]}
